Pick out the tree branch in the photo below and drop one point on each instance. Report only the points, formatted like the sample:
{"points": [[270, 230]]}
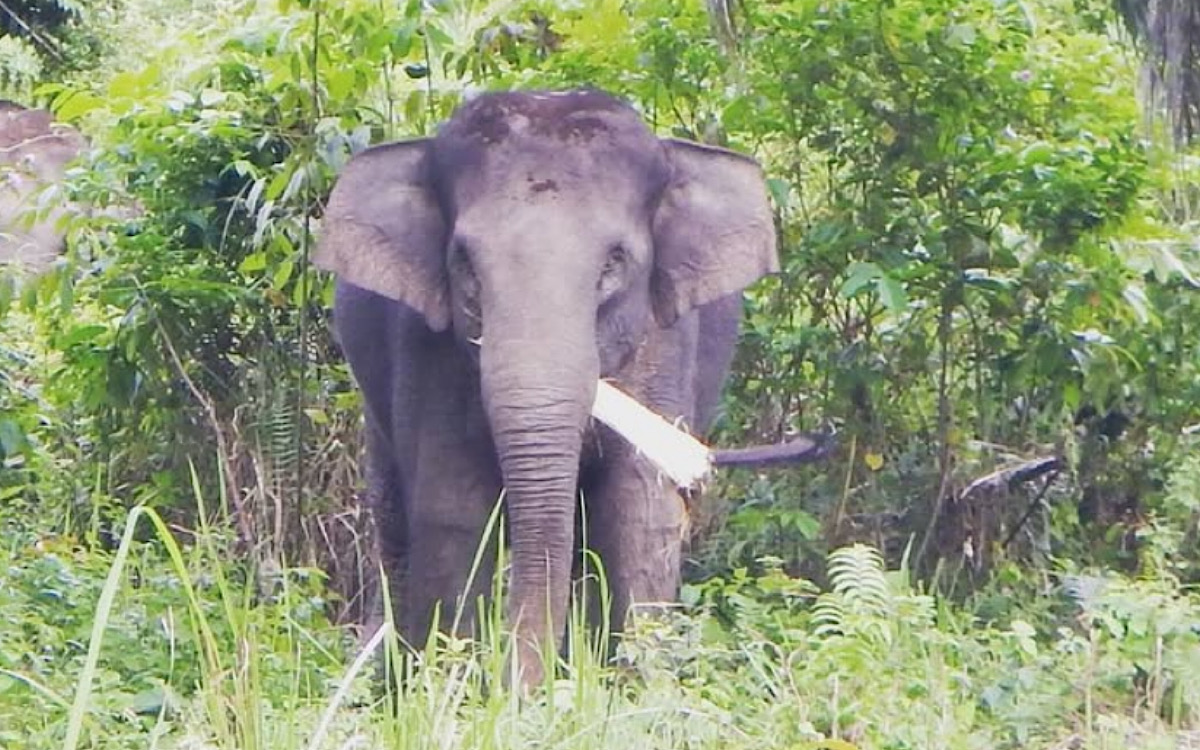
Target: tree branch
{"points": [[1009, 476]]}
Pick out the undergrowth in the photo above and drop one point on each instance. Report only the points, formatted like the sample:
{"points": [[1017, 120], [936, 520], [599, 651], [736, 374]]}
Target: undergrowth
{"points": [[169, 642]]}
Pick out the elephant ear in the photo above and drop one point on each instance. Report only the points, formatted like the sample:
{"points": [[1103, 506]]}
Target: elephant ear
{"points": [[384, 231], [714, 233]]}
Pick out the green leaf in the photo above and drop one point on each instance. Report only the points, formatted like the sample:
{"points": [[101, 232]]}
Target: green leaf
{"points": [[73, 105], [858, 277], [402, 41], [340, 83], [780, 192], [278, 183], [282, 274], [8, 287], [317, 416], [253, 262], [806, 525], [1135, 295], [300, 292], [961, 34], [12, 438], [81, 334], [892, 293], [132, 84]]}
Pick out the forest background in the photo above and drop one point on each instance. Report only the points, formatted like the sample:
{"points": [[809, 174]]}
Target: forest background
{"points": [[987, 214]]}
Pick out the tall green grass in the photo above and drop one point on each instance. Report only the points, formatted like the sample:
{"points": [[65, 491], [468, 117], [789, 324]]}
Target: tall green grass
{"points": [[759, 660]]}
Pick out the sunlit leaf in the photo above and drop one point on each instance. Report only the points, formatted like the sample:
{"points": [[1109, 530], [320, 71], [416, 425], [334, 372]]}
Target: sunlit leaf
{"points": [[283, 274], [892, 294], [1167, 263], [859, 276], [780, 192], [317, 416], [960, 33], [131, 84], [253, 262], [1092, 336], [76, 104], [1135, 295], [80, 334]]}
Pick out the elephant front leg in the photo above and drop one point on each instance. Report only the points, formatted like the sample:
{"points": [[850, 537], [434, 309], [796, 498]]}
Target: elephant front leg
{"points": [[455, 493], [635, 521], [385, 498]]}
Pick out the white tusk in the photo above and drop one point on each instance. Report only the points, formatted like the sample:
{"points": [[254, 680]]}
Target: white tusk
{"points": [[677, 454], [683, 458]]}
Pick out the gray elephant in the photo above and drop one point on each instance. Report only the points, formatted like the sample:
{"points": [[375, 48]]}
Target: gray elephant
{"points": [[488, 277], [34, 154]]}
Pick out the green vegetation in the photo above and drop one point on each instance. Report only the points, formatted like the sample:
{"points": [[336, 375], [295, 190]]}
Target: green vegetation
{"points": [[989, 267], [191, 656]]}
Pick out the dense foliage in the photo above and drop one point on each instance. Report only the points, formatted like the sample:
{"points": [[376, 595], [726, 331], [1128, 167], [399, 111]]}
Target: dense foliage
{"points": [[989, 291]]}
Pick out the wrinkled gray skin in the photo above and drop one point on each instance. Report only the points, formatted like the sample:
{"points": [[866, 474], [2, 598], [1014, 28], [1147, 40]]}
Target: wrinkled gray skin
{"points": [[578, 245], [34, 153]]}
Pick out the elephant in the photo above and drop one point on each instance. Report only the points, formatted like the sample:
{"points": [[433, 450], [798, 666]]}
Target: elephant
{"points": [[487, 278], [34, 154]]}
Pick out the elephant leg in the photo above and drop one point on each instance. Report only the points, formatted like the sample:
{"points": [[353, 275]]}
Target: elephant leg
{"points": [[457, 493], [636, 522], [636, 517], [456, 485], [385, 498]]}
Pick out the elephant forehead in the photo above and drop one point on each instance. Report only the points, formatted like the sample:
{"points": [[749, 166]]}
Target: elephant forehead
{"points": [[514, 227], [569, 116], [541, 176], [599, 159], [571, 131], [565, 176]]}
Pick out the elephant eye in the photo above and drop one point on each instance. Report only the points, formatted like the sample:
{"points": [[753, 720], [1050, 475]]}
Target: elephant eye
{"points": [[613, 274], [459, 262]]}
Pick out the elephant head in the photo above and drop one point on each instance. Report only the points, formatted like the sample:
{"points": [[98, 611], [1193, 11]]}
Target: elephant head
{"points": [[34, 153], [555, 230]]}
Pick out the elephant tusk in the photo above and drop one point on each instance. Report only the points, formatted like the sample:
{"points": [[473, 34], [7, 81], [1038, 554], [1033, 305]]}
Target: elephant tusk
{"points": [[683, 458], [679, 455]]}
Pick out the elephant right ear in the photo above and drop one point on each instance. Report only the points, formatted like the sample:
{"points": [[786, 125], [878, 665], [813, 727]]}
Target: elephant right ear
{"points": [[384, 231]]}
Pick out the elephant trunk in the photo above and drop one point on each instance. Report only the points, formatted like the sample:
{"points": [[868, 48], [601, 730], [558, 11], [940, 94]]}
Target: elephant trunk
{"points": [[538, 388]]}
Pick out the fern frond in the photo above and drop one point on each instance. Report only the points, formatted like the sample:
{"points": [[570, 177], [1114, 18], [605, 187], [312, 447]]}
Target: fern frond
{"points": [[858, 576], [828, 616], [278, 436]]}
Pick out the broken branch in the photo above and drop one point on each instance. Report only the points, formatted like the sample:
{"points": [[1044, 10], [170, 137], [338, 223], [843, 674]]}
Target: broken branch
{"points": [[1012, 475]]}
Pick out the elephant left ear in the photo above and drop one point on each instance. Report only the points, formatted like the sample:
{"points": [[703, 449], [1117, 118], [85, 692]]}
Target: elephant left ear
{"points": [[714, 233]]}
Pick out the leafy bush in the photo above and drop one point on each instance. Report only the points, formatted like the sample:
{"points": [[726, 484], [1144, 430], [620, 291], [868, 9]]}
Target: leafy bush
{"points": [[49, 37]]}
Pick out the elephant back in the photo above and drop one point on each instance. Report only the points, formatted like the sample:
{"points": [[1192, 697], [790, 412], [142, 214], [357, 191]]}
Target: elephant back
{"points": [[34, 153]]}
